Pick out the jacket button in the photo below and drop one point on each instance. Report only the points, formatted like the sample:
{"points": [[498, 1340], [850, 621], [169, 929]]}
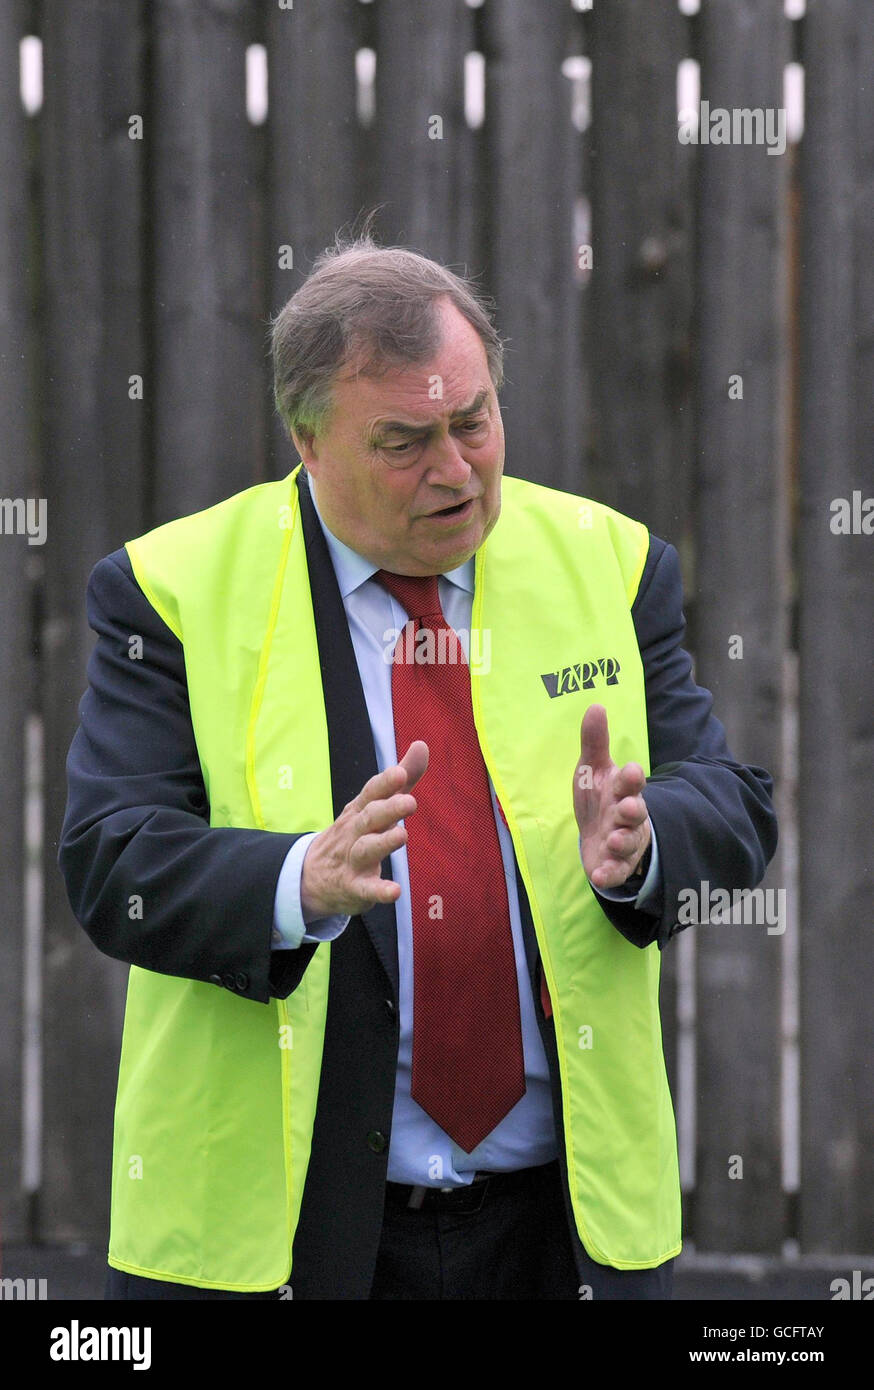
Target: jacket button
{"points": [[242, 980], [215, 979], [228, 980], [376, 1141], [390, 1007]]}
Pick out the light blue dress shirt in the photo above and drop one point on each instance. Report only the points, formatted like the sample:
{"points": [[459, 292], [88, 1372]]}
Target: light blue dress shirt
{"points": [[420, 1151]]}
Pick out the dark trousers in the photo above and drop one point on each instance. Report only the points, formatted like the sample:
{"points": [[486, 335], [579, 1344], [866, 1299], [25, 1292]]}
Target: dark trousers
{"points": [[516, 1246]]}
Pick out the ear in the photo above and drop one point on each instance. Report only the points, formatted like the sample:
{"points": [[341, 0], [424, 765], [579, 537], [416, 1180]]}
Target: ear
{"points": [[305, 443]]}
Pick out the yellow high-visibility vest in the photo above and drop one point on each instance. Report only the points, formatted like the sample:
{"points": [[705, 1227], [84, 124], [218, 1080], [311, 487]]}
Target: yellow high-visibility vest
{"points": [[217, 1093]]}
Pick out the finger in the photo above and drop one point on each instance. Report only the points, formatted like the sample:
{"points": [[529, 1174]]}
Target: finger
{"points": [[378, 890], [381, 785], [629, 781], [399, 777], [595, 739], [610, 873], [370, 850], [625, 844], [629, 813], [382, 815], [414, 762]]}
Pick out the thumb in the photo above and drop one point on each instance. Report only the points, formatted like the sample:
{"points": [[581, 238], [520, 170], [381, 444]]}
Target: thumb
{"points": [[595, 739]]}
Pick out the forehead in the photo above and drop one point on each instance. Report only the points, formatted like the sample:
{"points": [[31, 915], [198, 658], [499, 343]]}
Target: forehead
{"points": [[452, 378]]}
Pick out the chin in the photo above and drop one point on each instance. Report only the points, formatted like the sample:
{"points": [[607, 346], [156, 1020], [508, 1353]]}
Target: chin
{"points": [[458, 557]]}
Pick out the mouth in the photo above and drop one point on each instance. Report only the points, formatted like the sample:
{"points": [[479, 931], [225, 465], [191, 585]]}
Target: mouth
{"points": [[459, 512]]}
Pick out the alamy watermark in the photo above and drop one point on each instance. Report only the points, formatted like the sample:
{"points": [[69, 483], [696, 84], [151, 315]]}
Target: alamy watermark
{"points": [[742, 125], [758, 907], [852, 516], [21, 516], [77, 1343], [438, 647], [28, 1289], [859, 1288]]}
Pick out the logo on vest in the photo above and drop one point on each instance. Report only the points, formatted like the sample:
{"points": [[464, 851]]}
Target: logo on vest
{"points": [[581, 676]]}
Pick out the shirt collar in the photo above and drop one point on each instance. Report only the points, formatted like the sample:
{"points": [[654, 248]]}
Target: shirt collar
{"points": [[352, 569]]}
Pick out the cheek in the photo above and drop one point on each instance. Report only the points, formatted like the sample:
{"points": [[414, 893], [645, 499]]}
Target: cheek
{"points": [[494, 470], [495, 447], [388, 506], [400, 494]]}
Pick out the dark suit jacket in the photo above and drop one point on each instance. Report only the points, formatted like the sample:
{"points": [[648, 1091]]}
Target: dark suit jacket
{"points": [[137, 812]]}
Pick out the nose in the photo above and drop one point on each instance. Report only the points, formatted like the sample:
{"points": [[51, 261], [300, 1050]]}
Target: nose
{"points": [[447, 466]]}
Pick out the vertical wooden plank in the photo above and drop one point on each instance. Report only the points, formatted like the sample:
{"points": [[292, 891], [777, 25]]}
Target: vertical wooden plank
{"points": [[837, 675], [638, 311], [740, 596], [423, 141], [574, 401], [208, 342], [529, 191], [581, 110], [471, 160], [92, 470], [641, 281], [18, 480], [316, 147]]}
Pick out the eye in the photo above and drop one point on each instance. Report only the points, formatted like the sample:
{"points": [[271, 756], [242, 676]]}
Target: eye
{"points": [[402, 448], [474, 425]]}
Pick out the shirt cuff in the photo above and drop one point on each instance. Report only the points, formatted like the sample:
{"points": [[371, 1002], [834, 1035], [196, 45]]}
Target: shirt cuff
{"points": [[289, 928], [623, 894]]}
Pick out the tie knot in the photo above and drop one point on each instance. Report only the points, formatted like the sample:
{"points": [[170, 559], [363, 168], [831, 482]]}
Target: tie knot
{"points": [[418, 594]]}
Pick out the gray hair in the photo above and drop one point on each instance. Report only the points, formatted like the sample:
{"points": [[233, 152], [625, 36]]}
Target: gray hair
{"points": [[373, 306]]}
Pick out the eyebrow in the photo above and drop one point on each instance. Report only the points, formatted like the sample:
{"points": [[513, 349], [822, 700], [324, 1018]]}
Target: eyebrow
{"points": [[412, 427]]}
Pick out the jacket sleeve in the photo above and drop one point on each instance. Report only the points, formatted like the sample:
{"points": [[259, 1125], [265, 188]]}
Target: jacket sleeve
{"points": [[714, 816], [148, 878]]}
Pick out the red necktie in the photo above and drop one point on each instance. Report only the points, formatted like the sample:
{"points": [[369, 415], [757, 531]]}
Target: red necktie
{"points": [[468, 1068]]}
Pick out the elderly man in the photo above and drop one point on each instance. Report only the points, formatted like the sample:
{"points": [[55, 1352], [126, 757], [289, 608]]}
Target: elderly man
{"points": [[388, 780]]}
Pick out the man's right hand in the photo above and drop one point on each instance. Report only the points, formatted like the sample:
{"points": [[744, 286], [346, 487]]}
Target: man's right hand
{"points": [[341, 869]]}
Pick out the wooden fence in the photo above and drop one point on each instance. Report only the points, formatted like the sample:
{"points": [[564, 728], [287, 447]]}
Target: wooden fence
{"points": [[708, 367]]}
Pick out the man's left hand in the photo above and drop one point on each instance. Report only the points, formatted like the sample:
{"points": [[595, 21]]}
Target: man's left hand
{"points": [[611, 813]]}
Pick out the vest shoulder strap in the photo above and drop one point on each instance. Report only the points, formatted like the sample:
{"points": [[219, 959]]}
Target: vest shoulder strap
{"points": [[196, 550], [628, 538]]}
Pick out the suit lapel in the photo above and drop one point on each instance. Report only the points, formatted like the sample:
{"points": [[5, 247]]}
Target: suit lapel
{"points": [[352, 754]]}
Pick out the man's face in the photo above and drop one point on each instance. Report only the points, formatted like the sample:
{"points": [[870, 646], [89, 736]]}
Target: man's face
{"points": [[396, 452]]}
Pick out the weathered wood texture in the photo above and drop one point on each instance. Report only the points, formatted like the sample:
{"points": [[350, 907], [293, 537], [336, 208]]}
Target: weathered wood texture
{"points": [[638, 342], [638, 316], [206, 343], [17, 481], [836, 572], [740, 601], [530, 184], [93, 479], [164, 258], [422, 138], [317, 149]]}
